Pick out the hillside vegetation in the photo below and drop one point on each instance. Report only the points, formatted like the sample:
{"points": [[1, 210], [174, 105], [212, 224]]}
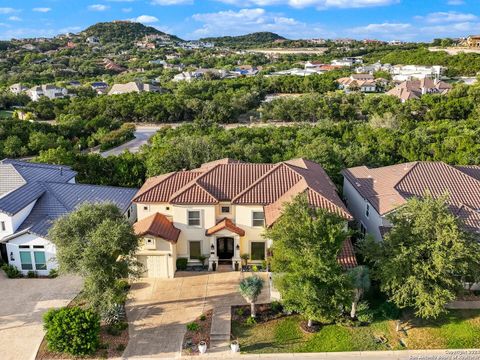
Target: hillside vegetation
{"points": [[249, 40]]}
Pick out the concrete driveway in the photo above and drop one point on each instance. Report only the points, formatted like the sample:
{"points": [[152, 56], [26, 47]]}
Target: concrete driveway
{"points": [[22, 305], [142, 135], [159, 309]]}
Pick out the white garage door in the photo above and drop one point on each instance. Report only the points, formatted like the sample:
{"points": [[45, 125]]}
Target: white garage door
{"points": [[155, 266]]}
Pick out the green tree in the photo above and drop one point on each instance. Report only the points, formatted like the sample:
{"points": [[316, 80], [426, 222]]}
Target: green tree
{"points": [[424, 257], [250, 288], [96, 242], [306, 243]]}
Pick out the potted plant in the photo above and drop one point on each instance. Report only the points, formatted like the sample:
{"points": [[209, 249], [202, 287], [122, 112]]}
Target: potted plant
{"points": [[202, 259], [236, 266], [235, 346], [202, 347], [245, 258], [214, 266]]}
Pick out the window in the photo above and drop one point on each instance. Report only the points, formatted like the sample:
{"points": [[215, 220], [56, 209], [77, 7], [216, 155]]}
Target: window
{"points": [[167, 208], [128, 213], [258, 251], [194, 218], [26, 260], [40, 262], [2, 224], [367, 210], [195, 249], [146, 207], [225, 209], [258, 218], [363, 230]]}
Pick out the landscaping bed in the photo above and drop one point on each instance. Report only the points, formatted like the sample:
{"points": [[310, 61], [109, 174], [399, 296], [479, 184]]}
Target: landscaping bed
{"points": [[198, 330], [286, 333]]}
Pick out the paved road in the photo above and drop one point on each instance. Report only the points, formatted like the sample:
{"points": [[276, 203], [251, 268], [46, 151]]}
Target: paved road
{"points": [[22, 305], [142, 135]]}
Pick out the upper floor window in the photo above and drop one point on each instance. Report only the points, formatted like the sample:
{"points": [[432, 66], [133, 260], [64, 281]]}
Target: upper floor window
{"points": [[258, 219], [367, 210], [2, 225], [194, 218], [146, 207], [225, 209], [363, 230]]}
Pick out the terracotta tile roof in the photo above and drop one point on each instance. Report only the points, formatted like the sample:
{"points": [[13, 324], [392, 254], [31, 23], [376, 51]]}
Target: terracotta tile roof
{"points": [[347, 258], [414, 89], [244, 183], [388, 187], [225, 224], [157, 225]]}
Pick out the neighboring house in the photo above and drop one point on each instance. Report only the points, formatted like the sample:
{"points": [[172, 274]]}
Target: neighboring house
{"points": [[372, 194], [472, 42], [18, 88], [373, 68], [410, 72], [365, 83], [49, 91], [347, 61], [200, 74], [32, 196], [92, 41], [100, 87], [313, 64], [221, 209], [134, 86], [414, 89]]}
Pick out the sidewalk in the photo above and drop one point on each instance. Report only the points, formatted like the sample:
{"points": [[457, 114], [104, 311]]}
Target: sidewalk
{"points": [[469, 354]]}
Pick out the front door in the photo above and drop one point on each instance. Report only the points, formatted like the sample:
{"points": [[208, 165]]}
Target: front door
{"points": [[225, 248]]}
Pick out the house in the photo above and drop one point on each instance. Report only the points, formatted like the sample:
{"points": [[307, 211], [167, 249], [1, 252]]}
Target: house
{"points": [[373, 68], [92, 41], [410, 72], [472, 41], [18, 88], [313, 64], [110, 65], [347, 61], [201, 73], [134, 86], [221, 209], [49, 91], [32, 196], [360, 82], [414, 89], [100, 87], [372, 194]]}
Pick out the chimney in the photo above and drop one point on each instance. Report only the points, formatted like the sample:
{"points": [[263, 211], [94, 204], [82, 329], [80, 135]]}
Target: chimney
{"points": [[61, 171]]}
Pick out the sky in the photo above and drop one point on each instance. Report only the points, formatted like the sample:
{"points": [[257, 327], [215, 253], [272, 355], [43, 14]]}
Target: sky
{"points": [[409, 20]]}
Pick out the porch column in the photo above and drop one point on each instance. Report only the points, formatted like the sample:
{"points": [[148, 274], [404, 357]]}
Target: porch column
{"points": [[213, 253], [236, 252]]}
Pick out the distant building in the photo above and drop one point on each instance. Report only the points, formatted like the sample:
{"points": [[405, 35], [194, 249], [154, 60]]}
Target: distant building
{"points": [[134, 86], [373, 68], [410, 72], [201, 73], [100, 87], [414, 89], [18, 88], [472, 42], [365, 83], [92, 41], [110, 65], [49, 91], [347, 61]]}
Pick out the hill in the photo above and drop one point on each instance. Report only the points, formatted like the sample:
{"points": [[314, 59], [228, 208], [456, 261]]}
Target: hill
{"points": [[249, 40], [124, 32]]}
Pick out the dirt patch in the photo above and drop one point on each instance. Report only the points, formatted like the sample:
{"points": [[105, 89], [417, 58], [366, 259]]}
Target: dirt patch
{"points": [[265, 312], [193, 337], [309, 329]]}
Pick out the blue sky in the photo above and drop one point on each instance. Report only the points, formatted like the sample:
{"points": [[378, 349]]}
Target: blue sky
{"points": [[192, 19]]}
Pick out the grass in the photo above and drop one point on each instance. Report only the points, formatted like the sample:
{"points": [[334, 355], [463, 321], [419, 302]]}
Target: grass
{"points": [[458, 329], [6, 114]]}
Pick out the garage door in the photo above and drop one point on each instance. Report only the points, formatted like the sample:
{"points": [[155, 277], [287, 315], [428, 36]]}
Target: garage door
{"points": [[155, 266]]}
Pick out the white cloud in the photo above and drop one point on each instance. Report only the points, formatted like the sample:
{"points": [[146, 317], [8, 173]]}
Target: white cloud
{"points": [[319, 4], [384, 31], [145, 19], [127, 10], [243, 21], [7, 10], [42, 9], [14, 18], [98, 7], [455, 2], [444, 17], [171, 2]]}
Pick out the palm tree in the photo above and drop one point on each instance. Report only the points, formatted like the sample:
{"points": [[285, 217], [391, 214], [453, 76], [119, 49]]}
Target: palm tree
{"points": [[361, 282], [250, 288]]}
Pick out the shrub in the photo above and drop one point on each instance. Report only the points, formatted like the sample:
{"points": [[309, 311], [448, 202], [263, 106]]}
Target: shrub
{"points": [[114, 315], [388, 310], [240, 311], [250, 321], [245, 258], [364, 314], [182, 263], [53, 273], [11, 271], [72, 330], [255, 268], [117, 328], [120, 347], [193, 326], [32, 274], [203, 317], [276, 306]]}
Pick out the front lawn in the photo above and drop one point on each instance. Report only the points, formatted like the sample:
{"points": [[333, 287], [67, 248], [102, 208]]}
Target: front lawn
{"points": [[458, 329]]}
